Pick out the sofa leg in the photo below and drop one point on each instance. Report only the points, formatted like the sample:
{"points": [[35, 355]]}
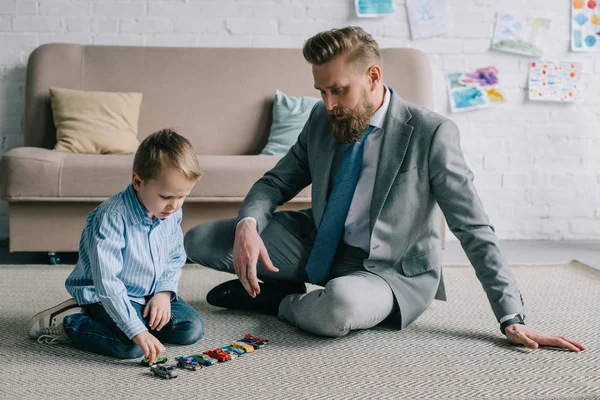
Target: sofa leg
{"points": [[53, 258]]}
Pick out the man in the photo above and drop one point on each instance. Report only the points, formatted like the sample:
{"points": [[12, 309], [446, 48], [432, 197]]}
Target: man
{"points": [[378, 166]]}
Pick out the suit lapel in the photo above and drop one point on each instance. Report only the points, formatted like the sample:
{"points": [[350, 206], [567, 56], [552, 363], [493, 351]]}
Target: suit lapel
{"points": [[396, 137]]}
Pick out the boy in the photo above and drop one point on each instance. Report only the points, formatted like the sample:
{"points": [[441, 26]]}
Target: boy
{"points": [[131, 252]]}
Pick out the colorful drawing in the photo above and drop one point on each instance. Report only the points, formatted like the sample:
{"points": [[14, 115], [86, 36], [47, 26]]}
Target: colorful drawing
{"points": [[373, 8], [428, 17], [520, 34], [555, 81], [585, 25], [476, 89]]}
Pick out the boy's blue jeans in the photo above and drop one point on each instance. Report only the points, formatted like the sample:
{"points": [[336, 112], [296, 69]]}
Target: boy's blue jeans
{"points": [[95, 330]]}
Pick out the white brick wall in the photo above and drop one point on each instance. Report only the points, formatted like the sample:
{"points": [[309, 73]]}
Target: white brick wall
{"points": [[536, 165]]}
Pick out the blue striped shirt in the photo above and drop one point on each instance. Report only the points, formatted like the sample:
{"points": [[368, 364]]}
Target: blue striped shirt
{"points": [[124, 256]]}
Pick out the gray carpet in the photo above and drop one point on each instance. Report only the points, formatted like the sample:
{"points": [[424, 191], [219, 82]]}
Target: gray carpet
{"points": [[453, 351]]}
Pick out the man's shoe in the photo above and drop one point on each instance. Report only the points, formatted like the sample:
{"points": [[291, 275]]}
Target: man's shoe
{"points": [[52, 318], [232, 295]]}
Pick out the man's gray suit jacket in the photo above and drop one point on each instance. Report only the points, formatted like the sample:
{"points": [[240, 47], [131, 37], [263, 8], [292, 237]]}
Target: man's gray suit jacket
{"points": [[421, 165]]}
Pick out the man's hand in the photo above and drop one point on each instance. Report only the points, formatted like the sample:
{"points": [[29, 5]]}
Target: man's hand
{"points": [[159, 309], [151, 346], [247, 248], [521, 334]]}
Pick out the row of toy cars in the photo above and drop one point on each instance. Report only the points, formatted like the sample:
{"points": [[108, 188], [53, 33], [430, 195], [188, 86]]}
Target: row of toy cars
{"points": [[196, 361]]}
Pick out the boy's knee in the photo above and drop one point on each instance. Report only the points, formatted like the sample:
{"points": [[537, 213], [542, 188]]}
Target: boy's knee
{"points": [[193, 333], [196, 331], [129, 351]]}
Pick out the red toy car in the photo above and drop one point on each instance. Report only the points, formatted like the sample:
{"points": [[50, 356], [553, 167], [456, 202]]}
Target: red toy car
{"points": [[250, 337], [218, 354], [257, 343]]}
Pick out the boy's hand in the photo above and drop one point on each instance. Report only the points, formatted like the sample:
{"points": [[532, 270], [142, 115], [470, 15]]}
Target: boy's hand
{"points": [[159, 309], [152, 346]]}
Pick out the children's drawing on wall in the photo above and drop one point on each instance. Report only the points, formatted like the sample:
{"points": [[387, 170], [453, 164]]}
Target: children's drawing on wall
{"points": [[520, 34], [373, 8], [428, 17], [555, 81], [476, 89], [585, 25]]}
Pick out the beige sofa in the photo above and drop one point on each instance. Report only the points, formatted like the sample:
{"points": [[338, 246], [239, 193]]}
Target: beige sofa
{"points": [[220, 99]]}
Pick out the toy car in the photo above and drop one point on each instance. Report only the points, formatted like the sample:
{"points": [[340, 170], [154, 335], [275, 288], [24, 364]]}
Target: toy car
{"points": [[219, 354], [164, 371], [250, 337], [159, 360], [187, 363], [255, 343], [204, 360], [233, 350], [248, 348]]}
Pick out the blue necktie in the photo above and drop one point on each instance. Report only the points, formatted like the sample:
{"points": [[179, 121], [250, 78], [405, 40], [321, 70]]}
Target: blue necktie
{"points": [[336, 211]]}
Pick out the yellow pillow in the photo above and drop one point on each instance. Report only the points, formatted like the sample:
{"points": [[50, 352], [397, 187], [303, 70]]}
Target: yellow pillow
{"points": [[95, 122]]}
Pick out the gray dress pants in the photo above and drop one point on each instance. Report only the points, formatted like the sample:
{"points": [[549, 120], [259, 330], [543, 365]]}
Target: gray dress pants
{"points": [[353, 298]]}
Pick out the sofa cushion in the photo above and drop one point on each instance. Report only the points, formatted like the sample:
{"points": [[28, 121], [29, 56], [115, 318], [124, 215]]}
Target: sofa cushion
{"points": [[95, 122], [289, 117], [46, 175]]}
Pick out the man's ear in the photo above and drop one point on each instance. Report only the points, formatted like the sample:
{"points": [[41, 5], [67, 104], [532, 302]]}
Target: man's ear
{"points": [[374, 73]]}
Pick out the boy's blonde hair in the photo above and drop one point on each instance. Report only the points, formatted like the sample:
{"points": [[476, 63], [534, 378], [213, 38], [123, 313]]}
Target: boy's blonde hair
{"points": [[360, 47], [163, 149]]}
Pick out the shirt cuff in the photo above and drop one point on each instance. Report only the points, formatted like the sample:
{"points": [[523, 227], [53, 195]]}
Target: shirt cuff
{"points": [[507, 317], [166, 287], [252, 218], [133, 328]]}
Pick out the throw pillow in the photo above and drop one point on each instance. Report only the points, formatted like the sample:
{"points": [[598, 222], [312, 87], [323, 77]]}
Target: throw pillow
{"points": [[289, 116], [95, 122]]}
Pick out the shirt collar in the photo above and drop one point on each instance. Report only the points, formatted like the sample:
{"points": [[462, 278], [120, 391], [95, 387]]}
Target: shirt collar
{"points": [[137, 211], [379, 117]]}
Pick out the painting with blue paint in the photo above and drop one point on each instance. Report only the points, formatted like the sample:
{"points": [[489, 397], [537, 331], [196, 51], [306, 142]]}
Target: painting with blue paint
{"points": [[428, 18], [373, 8], [576, 40], [585, 25], [468, 98], [520, 34], [453, 80], [474, 89]]}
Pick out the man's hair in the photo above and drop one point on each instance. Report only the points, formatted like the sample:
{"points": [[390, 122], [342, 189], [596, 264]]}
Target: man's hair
{"points": [[164, 149], [360, 47]]}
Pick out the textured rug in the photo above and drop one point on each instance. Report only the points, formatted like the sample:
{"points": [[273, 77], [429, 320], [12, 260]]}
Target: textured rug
{"points": [[453, 351]]}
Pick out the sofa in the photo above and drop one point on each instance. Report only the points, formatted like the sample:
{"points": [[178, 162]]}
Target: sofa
{"points": [[219, 98]]}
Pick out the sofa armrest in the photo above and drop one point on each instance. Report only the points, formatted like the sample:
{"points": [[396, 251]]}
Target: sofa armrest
{"points": [[33, 161]]}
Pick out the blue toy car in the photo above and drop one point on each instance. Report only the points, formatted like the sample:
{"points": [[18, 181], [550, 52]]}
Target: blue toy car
{"points": [[233, 350], [188, 363]]}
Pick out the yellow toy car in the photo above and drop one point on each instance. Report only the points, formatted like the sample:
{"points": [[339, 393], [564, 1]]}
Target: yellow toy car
{"points": [[248, 348]]}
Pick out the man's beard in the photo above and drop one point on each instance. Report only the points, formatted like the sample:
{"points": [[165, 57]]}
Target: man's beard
{"points": [[350, 129]]}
